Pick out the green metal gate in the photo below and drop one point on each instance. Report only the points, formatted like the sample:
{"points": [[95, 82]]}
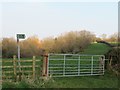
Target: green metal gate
{"points": [[60, 65]]}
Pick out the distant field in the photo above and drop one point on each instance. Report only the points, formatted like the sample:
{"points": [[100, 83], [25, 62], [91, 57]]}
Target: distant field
{"points": [[96, 48]]}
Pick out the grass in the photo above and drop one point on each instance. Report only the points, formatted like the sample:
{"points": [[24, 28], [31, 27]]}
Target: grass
{"points": [[105, 81], [97, 49], [109, 80]]}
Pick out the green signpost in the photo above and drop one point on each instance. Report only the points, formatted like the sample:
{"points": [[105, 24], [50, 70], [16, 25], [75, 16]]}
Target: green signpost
{"points": [[19, 36]]}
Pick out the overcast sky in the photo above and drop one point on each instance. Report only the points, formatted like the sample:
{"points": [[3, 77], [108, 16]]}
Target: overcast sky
{"points": [[53, 18]]}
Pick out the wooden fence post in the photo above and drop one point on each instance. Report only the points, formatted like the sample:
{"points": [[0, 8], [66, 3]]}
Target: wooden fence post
{"points": [[45, 62], [14, 65], [45, 66], [33, 67]]}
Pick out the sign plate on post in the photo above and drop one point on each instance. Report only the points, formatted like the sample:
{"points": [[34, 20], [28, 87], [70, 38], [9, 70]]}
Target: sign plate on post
{"points": [[20, 36]]}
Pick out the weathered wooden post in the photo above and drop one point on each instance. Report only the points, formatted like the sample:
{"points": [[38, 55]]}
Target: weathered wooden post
{"points": [[14, 65], [46, 71], [44, 67], [33, 67]]}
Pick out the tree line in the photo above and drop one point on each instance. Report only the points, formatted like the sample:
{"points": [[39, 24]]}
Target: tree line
{"points": [[70, 42]]}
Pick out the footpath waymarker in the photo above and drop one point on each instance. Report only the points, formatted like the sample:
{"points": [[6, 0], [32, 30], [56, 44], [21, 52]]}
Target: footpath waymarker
{"points": [[19, 36]]}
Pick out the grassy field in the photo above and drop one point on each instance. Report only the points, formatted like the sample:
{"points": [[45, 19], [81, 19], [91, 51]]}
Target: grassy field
{"points": [[108, 80], [96, 48]]}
